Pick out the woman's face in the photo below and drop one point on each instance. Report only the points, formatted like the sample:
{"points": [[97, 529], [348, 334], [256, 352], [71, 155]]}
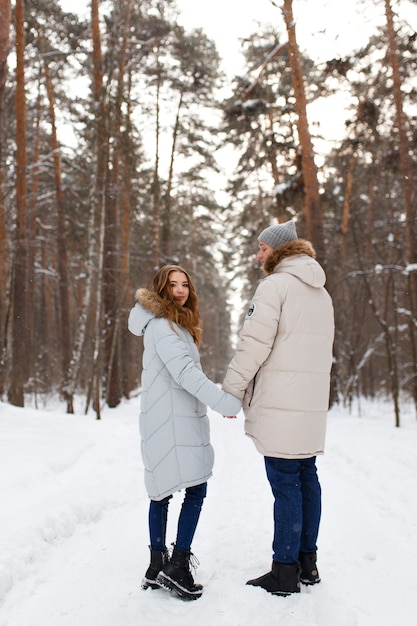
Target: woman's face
{"points": [[178, 287]]}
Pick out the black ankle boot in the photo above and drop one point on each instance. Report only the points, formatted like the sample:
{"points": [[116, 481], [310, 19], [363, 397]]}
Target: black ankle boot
{"points": [[158, 560], [308, 564], [176, 575], [282, 580]]}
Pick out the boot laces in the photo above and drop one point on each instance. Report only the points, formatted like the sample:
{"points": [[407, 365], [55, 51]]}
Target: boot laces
{"points": [[194, 562]]}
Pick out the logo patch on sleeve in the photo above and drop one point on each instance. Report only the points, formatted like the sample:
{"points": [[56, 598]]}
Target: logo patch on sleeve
{"points": [[251, 310]]}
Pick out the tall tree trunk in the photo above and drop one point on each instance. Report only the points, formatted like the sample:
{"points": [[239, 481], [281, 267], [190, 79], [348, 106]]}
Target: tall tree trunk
{"points": [[112, 238], [312, 206], [19, 311], [98, 203], [407, 182], [92, 299], [403, 143], [34, 341], [156, 239], [5, 23], [62, 256], [125, 246]]}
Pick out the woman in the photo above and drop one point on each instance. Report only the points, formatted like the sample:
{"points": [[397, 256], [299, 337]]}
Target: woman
{"points": [[174, 426]]}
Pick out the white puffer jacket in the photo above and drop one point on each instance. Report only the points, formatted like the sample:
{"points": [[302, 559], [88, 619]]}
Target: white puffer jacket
{"points": [[173, 422], [281, 369]]}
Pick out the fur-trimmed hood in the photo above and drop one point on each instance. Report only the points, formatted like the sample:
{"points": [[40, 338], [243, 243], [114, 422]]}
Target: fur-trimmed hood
{"points": [[148, 306], [150, 301], [151, 305], [299, 259]]}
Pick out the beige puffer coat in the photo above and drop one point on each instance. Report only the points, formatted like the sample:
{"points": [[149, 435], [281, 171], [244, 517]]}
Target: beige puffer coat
{"points": [[281, 369]]}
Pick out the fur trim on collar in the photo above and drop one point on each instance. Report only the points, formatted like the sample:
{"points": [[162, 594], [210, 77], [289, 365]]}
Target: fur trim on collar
{"points": [[150, 301], [292, 248], [168, 309]]}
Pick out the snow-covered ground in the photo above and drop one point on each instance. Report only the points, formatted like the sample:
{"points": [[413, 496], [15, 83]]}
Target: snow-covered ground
{"points": [[73, 525]]}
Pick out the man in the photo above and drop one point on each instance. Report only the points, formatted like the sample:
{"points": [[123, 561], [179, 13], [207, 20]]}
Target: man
{"points": [[281, 372]]}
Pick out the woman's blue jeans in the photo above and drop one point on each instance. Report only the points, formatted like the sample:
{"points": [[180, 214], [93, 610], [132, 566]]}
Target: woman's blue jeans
{"points": [[187, 521], [297, 506]]}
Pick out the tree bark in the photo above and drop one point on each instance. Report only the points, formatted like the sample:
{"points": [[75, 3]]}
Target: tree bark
{"points": [[403, 143], [406, 181], [19, 310], [92, 299], [98, 203], [61, 239], [5, 23], [156, 238], [312, 205], [112, 238]]}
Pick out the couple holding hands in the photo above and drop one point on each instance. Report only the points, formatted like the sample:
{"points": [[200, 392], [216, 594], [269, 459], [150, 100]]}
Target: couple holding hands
{"points": [[280, 376]]}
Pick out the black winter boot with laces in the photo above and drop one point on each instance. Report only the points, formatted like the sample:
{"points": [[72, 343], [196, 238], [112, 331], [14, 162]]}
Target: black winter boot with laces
{"points": [[309, 572], [158, 560], [177, 577]]}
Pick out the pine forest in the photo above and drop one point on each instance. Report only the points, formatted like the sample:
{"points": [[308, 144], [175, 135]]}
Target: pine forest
{"points": [[114, 126]]}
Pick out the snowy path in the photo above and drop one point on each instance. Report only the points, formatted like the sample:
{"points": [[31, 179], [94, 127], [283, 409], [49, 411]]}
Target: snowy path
{"points": [[73, 544]]}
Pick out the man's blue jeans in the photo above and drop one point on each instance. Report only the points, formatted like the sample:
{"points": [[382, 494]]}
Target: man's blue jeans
{"points": [[187, 521], [297, 506]]}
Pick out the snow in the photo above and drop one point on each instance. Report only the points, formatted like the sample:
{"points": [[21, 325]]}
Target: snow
{"points": [[73, 525]]}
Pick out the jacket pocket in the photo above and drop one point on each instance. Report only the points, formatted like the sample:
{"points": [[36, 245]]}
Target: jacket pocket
{"points": [[252, 391]]}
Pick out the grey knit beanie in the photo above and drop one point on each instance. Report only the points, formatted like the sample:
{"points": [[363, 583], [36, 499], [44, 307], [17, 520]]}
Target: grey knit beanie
{"points": [[276, 235]]}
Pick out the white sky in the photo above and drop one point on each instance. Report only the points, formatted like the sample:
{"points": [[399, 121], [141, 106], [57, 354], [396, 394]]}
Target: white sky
{"points": [[327, 28]]}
